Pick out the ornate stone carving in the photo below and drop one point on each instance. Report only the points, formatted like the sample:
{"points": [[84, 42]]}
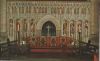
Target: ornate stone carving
{"points": [[72, 29], [32, 26], [65, 27], [11, 27]]}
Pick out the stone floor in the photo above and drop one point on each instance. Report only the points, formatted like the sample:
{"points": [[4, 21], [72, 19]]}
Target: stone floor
{"points": [[47, 57]]}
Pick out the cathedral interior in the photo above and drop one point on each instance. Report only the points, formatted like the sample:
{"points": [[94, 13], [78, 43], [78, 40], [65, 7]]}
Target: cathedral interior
{"points": [[57, 30]]}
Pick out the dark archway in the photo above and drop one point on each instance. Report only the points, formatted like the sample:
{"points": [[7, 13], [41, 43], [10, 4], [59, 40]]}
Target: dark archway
{"points": [[48, 29]]}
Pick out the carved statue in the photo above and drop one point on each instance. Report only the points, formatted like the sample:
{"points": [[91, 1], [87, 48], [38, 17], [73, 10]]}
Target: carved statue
{"points": [[53, 43], [72, 29], [86, 28], [32, 27], [11, 27], [65, 28], [43, 42]]}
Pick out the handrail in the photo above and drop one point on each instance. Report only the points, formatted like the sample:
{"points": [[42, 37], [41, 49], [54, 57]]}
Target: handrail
{"points": [[4, 47], [89, 45]]}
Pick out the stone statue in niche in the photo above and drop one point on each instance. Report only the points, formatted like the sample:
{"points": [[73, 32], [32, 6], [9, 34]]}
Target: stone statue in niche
{"points": [[25, 25], [32, 27], [17, 25], [79, 28], [18, 30], [53, 42], [11, 27], [25, 28], [63, 43], [72, 29], [86, 30], [33, 41], [43, 42], [65, 28]]}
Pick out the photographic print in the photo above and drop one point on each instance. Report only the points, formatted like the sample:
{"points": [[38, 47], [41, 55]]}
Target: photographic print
{"points": [[49, 30]]}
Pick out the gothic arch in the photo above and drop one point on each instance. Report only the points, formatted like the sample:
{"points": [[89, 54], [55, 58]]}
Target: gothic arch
{"points": [[43, 20]]}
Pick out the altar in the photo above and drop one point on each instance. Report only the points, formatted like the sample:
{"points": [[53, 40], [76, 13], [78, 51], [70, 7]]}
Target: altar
{"points": [[50, 44]]}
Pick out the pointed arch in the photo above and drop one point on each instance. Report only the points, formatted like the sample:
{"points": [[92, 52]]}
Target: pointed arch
{"points": [[43, 20], [48, 29]]}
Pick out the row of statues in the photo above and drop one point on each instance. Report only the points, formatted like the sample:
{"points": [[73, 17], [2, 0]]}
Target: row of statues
{"points": [[50, 42], [74, 27]]}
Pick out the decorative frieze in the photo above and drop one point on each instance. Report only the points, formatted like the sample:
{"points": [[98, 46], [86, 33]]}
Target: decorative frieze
{"points": [[42, 7]]}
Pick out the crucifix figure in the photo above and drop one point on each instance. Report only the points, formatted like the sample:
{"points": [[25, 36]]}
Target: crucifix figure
{"points": [[48, 29]]}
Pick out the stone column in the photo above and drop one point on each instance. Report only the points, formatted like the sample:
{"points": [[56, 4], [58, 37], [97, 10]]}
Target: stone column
{"points": [[3, 32], [93, 17], [58, 32], [97, 19], [3, 15], [61, 22], [0, 15], [94, 22]]}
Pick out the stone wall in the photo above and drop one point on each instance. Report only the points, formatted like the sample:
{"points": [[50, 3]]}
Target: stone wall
{"points": [[36, 10]]}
